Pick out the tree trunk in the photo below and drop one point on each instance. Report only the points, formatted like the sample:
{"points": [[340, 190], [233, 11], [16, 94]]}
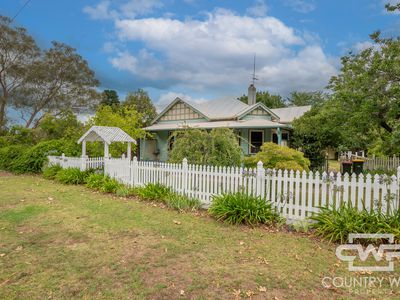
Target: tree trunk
{"points": [[32, 117], [386, 126], [2, 112]]}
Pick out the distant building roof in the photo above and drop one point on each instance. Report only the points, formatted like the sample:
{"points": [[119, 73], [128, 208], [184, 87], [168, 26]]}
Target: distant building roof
{"points": [[288, 114], [106, 134]]}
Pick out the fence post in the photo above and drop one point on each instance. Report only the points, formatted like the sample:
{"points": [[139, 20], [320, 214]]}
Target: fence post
{"points": [[185, 176], [260, 179], [134, 171], [63, 160], [83, 162]]}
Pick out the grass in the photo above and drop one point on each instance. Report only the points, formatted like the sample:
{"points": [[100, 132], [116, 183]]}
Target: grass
{"points": [[334, 165], [68, 242]]}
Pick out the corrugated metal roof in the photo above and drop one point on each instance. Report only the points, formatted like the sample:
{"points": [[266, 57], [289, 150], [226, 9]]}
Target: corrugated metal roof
{"points": [[225, 109], [220, 109], [106, 134], [288, 114], [254, 123]]}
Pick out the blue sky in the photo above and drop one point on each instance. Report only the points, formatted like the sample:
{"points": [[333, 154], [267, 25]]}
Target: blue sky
{"points": [[203, 50]]}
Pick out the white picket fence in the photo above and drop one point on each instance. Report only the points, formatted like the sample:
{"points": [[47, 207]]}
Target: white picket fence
{"points": [[382, 163], [82, 163], [296, 195]]}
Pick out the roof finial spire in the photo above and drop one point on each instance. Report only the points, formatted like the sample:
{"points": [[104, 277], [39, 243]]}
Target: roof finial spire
{"points": [[254, 78]]}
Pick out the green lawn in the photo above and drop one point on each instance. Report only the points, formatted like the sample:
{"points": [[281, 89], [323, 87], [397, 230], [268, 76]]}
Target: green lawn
{"points": [[64, 242]]}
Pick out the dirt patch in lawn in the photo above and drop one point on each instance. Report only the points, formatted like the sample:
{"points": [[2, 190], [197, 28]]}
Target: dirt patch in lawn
{"points": [[5, 174]]}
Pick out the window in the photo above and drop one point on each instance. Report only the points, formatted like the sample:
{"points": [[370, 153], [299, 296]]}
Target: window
{"points": [[256, 140], [284, 135]]}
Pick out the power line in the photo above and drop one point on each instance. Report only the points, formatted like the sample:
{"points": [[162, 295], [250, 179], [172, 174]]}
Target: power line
{"points": [[19, 11]]}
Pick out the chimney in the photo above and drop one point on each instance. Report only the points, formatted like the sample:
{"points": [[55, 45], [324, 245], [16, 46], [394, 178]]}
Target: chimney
{"points": [[251, 97]]}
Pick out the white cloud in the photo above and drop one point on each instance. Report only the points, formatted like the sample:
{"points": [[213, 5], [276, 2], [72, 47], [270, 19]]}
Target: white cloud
{"points": [[259, 9], [309, 70], [302, 6], [106, 9], [134, 8], [216, 53], [101, 11], [360, 46]]}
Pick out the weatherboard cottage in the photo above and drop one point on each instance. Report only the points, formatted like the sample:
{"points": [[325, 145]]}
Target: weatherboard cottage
{"points": [[254, 123]]}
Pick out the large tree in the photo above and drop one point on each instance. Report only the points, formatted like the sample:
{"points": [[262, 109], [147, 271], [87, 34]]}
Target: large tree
{"points": [[367, 93], [18, 51], [60, 80], [269, 100], [141, 101], [307, 98], [109, 97]]}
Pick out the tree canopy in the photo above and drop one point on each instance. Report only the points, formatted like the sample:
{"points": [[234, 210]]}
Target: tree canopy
{"points": [[306, 98], [269, 100], [109, 97], [18, 50], [36, 82], [141, 101]]}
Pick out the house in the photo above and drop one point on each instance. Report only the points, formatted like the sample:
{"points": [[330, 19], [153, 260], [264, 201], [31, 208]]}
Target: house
{"points": [[254, 123]]}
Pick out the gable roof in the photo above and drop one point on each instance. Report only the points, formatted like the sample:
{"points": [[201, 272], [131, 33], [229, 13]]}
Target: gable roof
{"points": [[106, 134], [250, 108], [288, 114], [228, 109], [177, 99]]}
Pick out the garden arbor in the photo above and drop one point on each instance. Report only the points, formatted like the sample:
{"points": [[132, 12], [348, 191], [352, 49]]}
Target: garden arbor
{"points": [[107, 135]]}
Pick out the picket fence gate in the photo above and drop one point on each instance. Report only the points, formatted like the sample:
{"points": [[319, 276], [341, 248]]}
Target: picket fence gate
{"points": [[296, 195], [82, 163]]}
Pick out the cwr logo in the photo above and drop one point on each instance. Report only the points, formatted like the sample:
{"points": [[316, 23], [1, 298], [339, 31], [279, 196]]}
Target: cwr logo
{"points": [[389, 250]]}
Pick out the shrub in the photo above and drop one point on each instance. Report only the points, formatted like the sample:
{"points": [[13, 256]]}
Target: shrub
{"points": [[278, 157], [239, 208], [302, 226], [9, 154], [94, 181], [180, 202], [70, 176], [335, 224], [50, 172], [218, 147], [33, 159], [153, 191], [109, 185]]}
